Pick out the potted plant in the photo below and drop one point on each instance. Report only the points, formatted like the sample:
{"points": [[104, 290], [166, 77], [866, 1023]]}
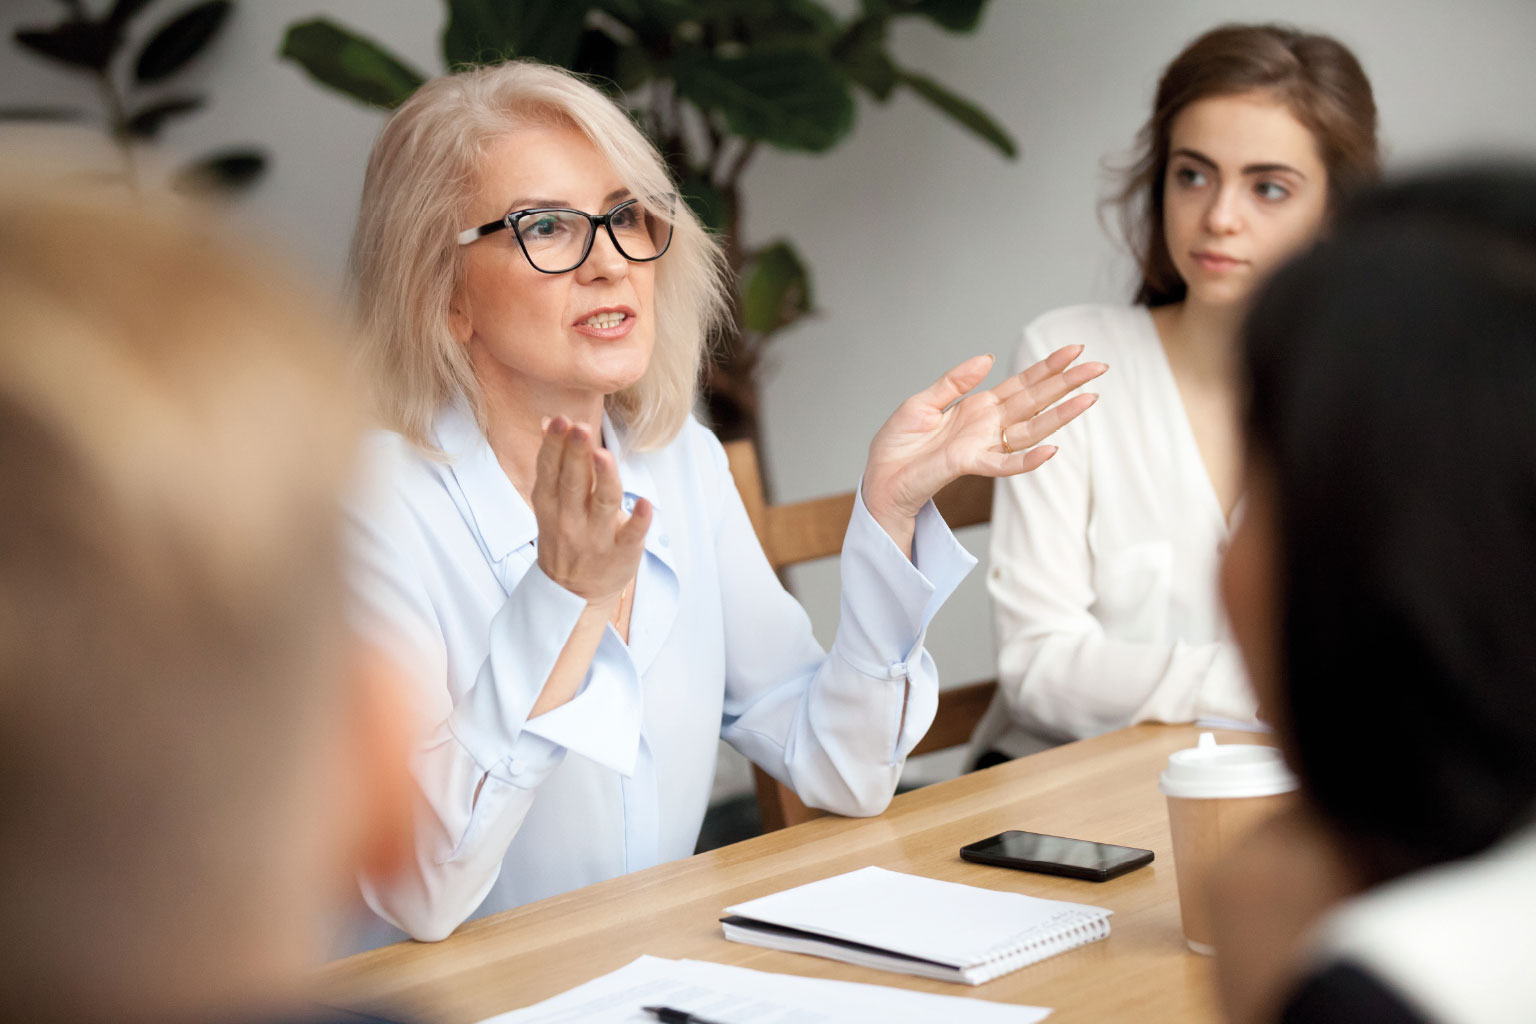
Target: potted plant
{"points": [[139, 96]]}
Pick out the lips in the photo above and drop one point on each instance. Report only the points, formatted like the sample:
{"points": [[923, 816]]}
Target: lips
{"points": [[606, 322], [1216, 262]]}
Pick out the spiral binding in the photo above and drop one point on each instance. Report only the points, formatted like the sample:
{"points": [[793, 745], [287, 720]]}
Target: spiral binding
{"points": [[1057, 940]]}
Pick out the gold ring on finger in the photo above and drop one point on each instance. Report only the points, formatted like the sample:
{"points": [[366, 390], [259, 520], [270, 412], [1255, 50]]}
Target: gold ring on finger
{"points": [[1008, 449]]}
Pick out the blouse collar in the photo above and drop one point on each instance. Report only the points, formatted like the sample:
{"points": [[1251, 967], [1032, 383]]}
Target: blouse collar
{"points": [[503, 519]]}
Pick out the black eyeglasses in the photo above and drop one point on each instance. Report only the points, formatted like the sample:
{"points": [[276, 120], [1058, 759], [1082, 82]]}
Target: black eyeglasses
{"points": [[557, 240]]}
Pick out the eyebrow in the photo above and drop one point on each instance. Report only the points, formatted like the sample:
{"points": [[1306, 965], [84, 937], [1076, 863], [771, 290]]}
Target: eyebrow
{"points": [[534, 203], [1270, 168]]}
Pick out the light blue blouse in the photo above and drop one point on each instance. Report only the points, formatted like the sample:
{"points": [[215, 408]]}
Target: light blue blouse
{"points": [[446, 578]]}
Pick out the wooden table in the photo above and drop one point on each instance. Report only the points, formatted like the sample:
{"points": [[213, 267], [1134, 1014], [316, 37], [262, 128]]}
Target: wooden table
{"points": [[1103, 789]]}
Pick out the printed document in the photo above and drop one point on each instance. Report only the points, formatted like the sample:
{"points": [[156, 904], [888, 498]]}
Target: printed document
{"points": [[737, 995]]}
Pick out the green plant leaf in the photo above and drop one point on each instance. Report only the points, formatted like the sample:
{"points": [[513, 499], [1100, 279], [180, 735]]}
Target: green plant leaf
{"points": [[755, 23], [707, 202], [652, 21], [180, 39], [598, 54], [626, 11], [778, 289], [82, 44], [860, 52], [612, 46], [124, 11], [350, 63], [955, 15], [633, 68], [228, 171], [40, 114], [486, 31], [790, 98], [146, 123], [963, 111]]}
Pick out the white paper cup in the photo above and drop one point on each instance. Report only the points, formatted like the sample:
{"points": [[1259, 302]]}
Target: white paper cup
{"points": [[1216, 792]]}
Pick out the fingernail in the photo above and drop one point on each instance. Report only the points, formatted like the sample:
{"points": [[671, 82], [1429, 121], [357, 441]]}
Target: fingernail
{"points": [[1050, 450], [544, 423], [1092, 397]]}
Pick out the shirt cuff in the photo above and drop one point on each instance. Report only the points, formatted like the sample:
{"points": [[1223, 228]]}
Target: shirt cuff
{"points": [[526, 638], [888, 599], [529, 762], [602, 722], [938, 555]]}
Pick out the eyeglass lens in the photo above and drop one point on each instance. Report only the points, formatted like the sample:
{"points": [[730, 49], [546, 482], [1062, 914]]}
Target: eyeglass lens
{"points": [[558, 240]]}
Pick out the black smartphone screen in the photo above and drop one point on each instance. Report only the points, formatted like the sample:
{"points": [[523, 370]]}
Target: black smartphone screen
{"points": [[1056, 855]]}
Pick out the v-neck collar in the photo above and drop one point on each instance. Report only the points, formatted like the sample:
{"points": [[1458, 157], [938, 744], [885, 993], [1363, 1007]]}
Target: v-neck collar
{"points": [[1192, 456]]}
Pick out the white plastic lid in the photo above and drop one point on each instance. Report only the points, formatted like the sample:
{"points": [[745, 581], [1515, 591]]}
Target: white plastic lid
{"points": [[1225, 770]]}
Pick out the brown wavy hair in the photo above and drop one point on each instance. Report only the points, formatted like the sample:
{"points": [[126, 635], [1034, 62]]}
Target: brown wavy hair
{"points": [[1317, 78]]}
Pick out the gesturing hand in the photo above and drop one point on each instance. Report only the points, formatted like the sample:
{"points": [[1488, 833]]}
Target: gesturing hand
{"points": [[587, 544], [942, 432]]}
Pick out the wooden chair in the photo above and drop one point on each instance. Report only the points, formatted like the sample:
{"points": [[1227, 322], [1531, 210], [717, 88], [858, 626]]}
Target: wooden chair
{"points": [[804, 531]]}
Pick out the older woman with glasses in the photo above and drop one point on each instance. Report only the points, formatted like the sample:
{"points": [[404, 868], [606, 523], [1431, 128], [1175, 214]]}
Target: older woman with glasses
{"points": [[553, 548]]}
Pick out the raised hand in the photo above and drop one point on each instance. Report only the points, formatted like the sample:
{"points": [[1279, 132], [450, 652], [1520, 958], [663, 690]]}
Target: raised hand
{"points": [[942, 433], [587, 544]]}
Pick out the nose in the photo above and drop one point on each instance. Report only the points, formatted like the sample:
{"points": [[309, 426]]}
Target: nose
{"points": [[604, 262], [1224, 215]]}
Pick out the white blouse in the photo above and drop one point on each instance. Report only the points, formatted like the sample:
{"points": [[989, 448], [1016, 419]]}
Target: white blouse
{"points": [[1104, 561], [618, 779]]}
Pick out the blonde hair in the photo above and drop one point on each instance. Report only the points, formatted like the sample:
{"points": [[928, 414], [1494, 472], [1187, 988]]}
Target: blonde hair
{"points": [[406, 264], [174, 436]]}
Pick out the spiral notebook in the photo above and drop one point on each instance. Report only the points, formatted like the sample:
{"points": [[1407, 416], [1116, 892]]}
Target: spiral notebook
{"points": [[923, 926]]}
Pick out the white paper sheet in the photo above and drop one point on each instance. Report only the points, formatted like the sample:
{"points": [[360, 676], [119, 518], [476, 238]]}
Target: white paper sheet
{"points": [[737, 995]]}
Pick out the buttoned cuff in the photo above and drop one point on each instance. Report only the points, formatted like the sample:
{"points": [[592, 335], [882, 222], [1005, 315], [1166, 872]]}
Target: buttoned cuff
{"points": [[530, 761], [526, 638]]}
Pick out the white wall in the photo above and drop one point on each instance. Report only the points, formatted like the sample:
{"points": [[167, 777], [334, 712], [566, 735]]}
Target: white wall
{"points": [[926, 246]]}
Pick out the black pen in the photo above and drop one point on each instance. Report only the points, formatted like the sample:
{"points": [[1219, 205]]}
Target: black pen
{"points": [[667, 1015]]}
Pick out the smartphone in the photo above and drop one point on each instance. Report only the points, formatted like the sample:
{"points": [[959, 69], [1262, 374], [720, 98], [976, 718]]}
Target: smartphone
{"points": [[1056, 855]]}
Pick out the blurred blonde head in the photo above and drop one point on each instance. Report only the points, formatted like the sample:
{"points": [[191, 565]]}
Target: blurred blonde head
{"points": [[406, 264], [174, 437]]}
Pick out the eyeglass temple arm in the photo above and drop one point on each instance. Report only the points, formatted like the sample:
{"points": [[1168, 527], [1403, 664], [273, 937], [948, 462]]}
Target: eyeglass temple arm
{"points": [[471, 234]]}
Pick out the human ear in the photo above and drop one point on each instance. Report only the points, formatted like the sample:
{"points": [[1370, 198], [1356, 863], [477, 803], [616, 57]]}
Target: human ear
{"points": [[460, 325]]}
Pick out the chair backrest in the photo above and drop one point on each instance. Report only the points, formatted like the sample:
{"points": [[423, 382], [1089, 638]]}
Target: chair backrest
{"points": [[804, 531]]}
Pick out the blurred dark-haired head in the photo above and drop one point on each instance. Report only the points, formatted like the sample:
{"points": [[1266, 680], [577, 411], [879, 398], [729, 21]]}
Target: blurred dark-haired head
{"points": [[1391, 423]]}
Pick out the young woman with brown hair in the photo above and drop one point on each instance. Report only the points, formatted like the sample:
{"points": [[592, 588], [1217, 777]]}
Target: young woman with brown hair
{"points": [[1103, 566]]}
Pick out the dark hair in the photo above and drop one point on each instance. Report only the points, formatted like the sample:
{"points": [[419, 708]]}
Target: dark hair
{"points": [[1315, 76], [1391, 399]]}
